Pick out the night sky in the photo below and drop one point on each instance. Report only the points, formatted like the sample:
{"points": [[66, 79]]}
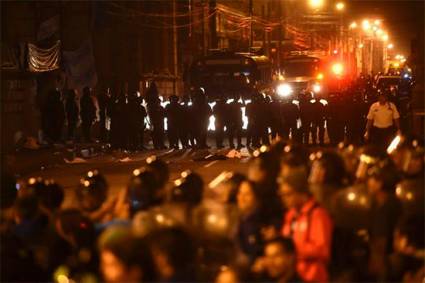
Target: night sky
{"points": [[402, 18]]}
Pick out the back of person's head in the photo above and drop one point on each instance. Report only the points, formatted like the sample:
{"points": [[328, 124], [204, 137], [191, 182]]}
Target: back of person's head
{"points": [[412, 227], [159, 168], [386, 173], [188, 189], [92, 190], [174, 249], [131, 252], [333, 167], [142, 190], [286, 244], [297, 180]]}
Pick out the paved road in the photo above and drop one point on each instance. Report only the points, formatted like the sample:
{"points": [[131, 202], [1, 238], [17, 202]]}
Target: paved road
{"points": [[118, 166]]}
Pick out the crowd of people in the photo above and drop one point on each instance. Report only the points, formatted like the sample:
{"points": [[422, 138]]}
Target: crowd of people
{"points": [[129, 121], [349, 214]]}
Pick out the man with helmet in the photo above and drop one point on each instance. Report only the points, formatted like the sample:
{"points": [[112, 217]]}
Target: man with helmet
{"points": [[383, 120], [202, 112], [92, 194], [174, 113]]}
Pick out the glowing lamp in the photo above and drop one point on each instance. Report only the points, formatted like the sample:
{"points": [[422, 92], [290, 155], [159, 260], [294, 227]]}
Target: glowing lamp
{"points": [[284, 90], [316, 4], [337, 68], [340, 6]]}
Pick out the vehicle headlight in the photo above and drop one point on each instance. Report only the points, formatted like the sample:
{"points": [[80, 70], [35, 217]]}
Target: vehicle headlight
{"points": [[317, 88], [284, 90]]}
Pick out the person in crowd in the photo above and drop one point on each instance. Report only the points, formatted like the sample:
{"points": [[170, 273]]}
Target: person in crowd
{"points": [[55, 112], [162, 174], [308, 225], [386, 209], [91, 196], [263, 171], [142, 192], [228, 275], [124, 257], [278, 264], [71, 110], [382, 122], [406, 264], [248, 235], [87, 113], [174, 114], [78, 252], [326, 177], [174, 255]]}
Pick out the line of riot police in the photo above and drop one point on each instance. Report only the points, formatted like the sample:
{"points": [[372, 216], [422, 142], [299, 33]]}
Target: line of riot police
{"points": [[305, 118]]}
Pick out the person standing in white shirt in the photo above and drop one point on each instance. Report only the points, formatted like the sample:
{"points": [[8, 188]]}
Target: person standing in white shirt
{"points": [[383, 121]]}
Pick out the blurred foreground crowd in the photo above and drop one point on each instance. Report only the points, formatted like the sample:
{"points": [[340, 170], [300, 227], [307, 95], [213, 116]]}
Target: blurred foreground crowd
{"points": [[345, 215]]}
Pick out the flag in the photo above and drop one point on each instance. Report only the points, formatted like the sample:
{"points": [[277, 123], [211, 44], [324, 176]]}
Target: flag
{"points": [[43, 60]]}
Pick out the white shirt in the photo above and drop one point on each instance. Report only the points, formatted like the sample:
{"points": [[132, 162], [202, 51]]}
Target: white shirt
{"points": [[383, 116]]}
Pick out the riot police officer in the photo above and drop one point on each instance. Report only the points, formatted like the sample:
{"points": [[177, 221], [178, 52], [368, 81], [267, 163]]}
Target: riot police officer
{"points": [[187, 135], [174, 113], [318, 121], [291, 114], [306, 114], [220, 113], [234, 127], [202, 112], [156, 115], [87, 113]]}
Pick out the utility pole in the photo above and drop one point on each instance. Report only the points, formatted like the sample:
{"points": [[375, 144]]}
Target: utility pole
{"points": [[175, 48], [279, 44], [251, 31], [213, 24]]}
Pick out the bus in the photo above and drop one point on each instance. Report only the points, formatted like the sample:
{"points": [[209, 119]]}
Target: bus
{"points": [[226, 74]]}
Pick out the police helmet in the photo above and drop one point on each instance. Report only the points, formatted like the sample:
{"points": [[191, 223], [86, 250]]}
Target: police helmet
{"points": [[94, 188], [188, 189], [142, 190], [159, 168]]}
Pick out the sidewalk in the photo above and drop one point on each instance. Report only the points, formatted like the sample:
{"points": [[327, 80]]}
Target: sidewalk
{"points": [[25, 161]]}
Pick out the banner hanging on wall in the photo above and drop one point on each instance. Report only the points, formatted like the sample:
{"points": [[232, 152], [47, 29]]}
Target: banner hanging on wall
{"points": [[43, 60]]}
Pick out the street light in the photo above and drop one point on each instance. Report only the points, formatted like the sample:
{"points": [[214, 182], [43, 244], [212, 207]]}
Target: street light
{"points": [[316, 4], [390, 46], [361, 45], [353, 25], [340, 6], [385, 37], [377, 22]]}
